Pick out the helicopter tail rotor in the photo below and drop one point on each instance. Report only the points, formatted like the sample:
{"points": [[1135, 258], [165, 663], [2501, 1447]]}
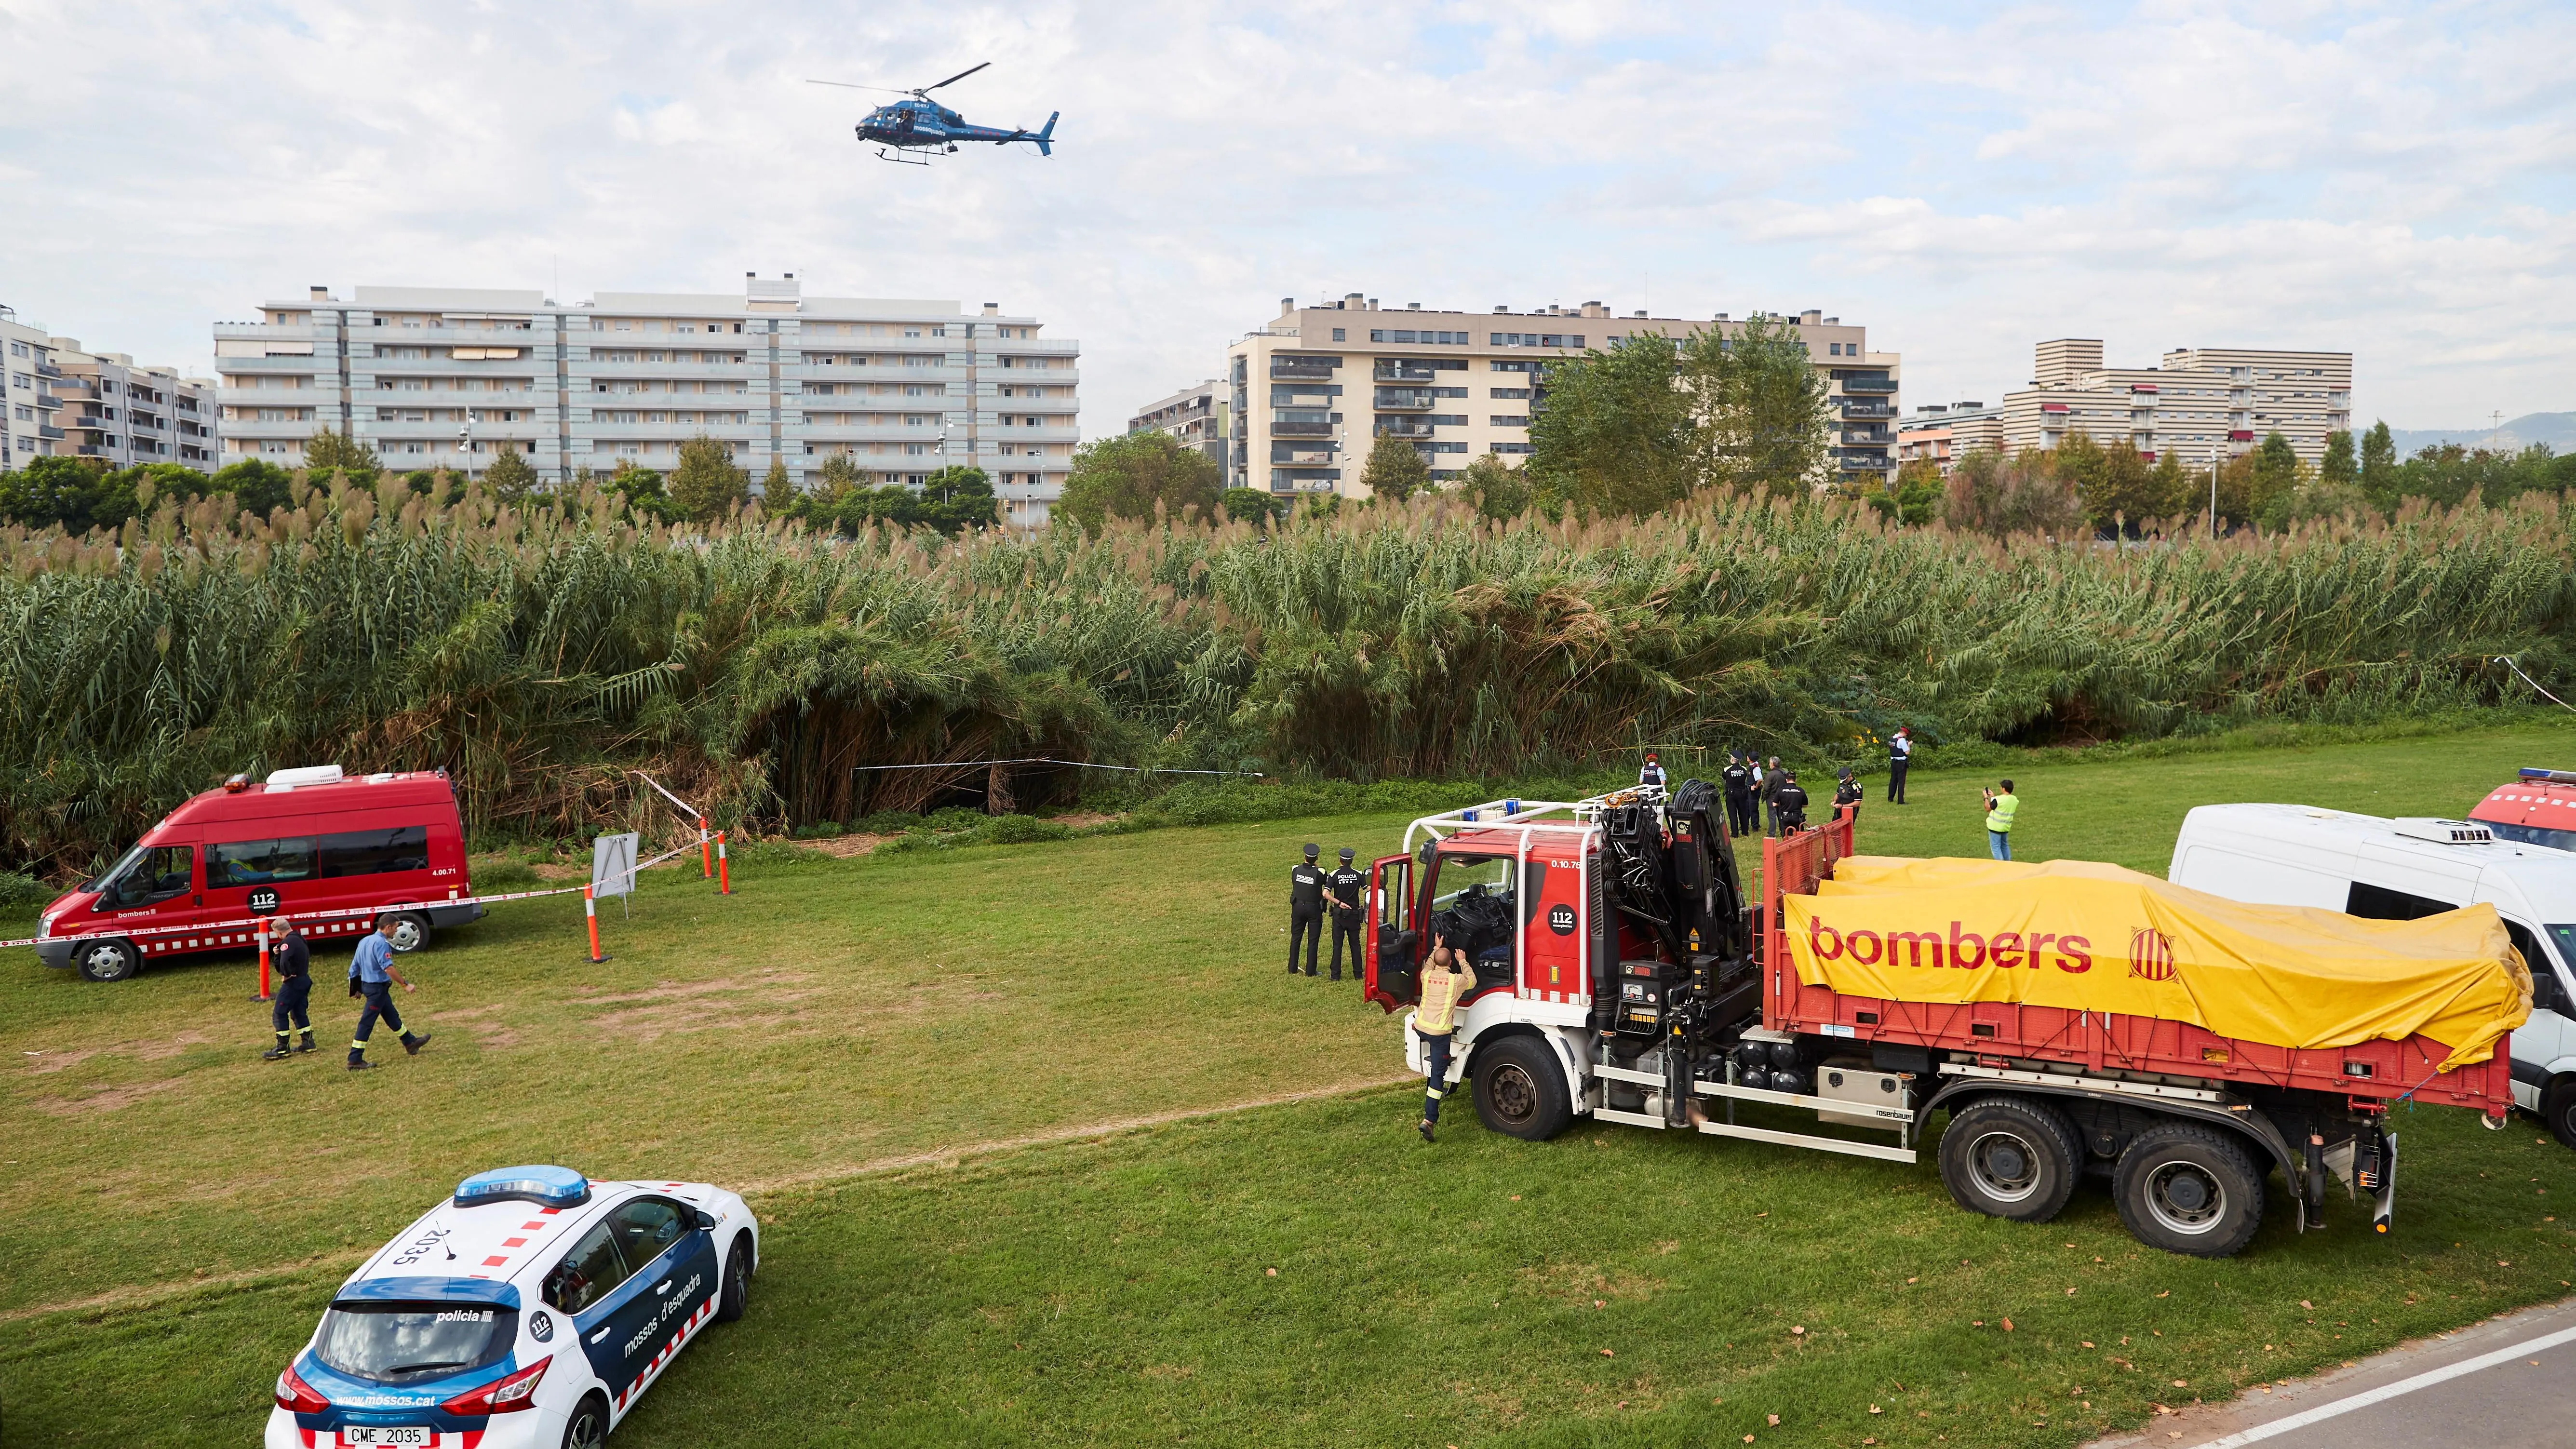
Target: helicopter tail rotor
{"points": [[1046, 136]]}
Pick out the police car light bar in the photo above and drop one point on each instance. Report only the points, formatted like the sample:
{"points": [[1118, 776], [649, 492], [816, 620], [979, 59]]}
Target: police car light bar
{"points": [[2554, 777], [558, 1187]]}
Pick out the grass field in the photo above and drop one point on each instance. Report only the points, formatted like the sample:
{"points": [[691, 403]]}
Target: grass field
{"points": [[177, 1210]]}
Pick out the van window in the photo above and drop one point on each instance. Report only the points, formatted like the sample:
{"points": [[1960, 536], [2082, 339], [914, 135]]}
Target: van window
{"points": [[258, 862], [2379, 903], [376, 852], [149, 873], [2546, 992], [2564, 937]]}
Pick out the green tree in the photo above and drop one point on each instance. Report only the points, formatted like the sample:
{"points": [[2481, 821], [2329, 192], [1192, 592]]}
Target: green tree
{"points": [[1763, 422], [2276, 475], [777, 490], [2003, 493], [2083, 464], [1614, 435], [510, 478], [1126, 475], [1395, 470], [2340, 469], [1497, 489], [261, 487], [1246, 504], [1916, 496], [327, 450], [642, 489], [2379, 467], [2168, 491], [707, 484], [837, 475]]}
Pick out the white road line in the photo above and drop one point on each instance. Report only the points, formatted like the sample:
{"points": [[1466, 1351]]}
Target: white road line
{"points": [[2425, 1380]]}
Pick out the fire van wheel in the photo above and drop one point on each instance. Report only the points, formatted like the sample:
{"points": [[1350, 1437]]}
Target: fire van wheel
{"points": [[2189, 1189], [1520, 1090], [588, 1426], [411, 931], [109, 961], [2009, 1158]]}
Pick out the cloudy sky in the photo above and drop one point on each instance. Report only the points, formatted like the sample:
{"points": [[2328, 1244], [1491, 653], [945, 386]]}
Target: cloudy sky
{"points": [[2398, 181]]}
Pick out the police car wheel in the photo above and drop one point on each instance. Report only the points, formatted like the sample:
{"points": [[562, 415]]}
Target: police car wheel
{"points": [[735, 1295], [411, 931], [588, 1426], [109, 960]]}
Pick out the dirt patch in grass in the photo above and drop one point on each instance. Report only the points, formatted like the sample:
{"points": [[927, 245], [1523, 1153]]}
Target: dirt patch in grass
{"points": [[41, 1063], [490, 1035], [1580, 1282], [726, 1003], [1082, 819], [845, 847], [107, 1099]]}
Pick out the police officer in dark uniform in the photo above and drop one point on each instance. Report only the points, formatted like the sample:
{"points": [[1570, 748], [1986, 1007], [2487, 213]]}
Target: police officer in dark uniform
{"points": [[1342, 892], [1652, 773], [1848, 794], [1737, 780], [1306, 908], [1789, 805], [294, 962]]}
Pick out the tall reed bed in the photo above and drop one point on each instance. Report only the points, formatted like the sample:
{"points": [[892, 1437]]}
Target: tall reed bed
{"points": [[539, 654]]}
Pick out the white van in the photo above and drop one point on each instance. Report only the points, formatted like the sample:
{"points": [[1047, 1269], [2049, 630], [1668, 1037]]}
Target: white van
{"points": [[2399, 870]]}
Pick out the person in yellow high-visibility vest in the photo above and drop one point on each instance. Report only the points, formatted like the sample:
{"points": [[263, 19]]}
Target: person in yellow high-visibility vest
{"points": [[1445, 980], [2001, 806]]}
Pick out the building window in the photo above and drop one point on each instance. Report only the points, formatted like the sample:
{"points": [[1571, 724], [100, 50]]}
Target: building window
{"points": [[1511, 448], [1341, 334], [1507, 394], [1502, 421]]}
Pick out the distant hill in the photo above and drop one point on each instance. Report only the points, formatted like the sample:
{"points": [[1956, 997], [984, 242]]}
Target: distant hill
{"points": [[2558, 430]]}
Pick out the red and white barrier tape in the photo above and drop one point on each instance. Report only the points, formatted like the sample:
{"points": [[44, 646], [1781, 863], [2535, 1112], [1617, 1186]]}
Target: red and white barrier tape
{"points": [[254, 923]]}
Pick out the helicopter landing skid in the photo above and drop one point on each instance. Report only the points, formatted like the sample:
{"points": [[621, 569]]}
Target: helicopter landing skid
{"points": [[885, 153]]}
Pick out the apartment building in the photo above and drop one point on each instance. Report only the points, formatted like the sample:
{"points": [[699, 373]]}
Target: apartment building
{"points": [[1196, 415], [1456, 384], [1943, 433], [2200, 402], [450, 377], [59, 400]]}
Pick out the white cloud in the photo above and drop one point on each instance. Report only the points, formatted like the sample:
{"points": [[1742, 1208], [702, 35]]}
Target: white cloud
{"points": [[2394, 180]]}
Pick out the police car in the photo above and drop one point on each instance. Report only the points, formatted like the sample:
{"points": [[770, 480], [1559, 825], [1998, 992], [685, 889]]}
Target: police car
{"points": [[531, 1309]]}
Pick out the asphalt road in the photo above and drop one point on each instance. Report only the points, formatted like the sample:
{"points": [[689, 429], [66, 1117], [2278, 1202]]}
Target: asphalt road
{"points": [[2501, 1384]]}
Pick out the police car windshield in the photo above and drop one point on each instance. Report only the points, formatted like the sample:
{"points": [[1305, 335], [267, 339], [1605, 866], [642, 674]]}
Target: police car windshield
{"points": [[399, 1342]]}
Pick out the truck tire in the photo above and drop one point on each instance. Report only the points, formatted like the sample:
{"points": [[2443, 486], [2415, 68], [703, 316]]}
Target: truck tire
{"points": [[2558, 1109], [2189, 1189], [108, 960], [2010, 1157], [1520, 1089], [411, 931]]}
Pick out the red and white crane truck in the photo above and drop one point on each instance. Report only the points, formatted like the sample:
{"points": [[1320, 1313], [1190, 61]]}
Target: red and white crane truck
{"points": [[1625, 975]]}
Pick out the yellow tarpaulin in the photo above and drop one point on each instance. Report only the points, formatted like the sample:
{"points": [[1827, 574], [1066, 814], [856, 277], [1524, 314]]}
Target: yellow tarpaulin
{"points": [[2092, 937]]}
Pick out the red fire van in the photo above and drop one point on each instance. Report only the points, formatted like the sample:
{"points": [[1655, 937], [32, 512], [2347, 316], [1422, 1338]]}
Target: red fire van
{"points": [[302, 842]]}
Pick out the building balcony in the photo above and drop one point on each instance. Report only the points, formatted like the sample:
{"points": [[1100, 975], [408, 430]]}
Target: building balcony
{"points": [[1854, 436], [1388, 398], [267, 332], [1288, 371], [361, 333], [243, 366], [275, 428], [1404, 372], [1869, 410], [435, 431], [1402, 428], [49, 432], [283, 397], [1872, 386], [1861, 462], [1301, 430], [47, 369], [596, 367]]}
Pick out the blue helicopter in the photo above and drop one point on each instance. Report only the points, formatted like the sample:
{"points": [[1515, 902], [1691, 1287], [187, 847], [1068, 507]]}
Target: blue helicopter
{"points": [[922, 124]]}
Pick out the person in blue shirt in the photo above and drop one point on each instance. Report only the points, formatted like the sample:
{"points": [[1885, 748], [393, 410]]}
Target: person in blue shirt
{"points": [[372, 975]]}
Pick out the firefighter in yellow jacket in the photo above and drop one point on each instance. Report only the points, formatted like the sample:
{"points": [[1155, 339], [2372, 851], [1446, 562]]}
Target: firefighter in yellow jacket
{"points": [[1445, 979]]}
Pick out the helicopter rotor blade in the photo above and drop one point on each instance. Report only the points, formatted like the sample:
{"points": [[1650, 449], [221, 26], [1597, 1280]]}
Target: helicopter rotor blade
{"points": [[845, 85], [954, 79]]}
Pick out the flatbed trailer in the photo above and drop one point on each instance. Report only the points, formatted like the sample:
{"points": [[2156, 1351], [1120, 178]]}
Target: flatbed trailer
{"points": [[1625, 974]]}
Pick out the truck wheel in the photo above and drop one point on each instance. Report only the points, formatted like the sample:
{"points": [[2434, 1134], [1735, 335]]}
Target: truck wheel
{"points": [[2010, 1158], [109, 960], [411, 931], [2189, 1189], [2558, 1109], [1520, 1090]]}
